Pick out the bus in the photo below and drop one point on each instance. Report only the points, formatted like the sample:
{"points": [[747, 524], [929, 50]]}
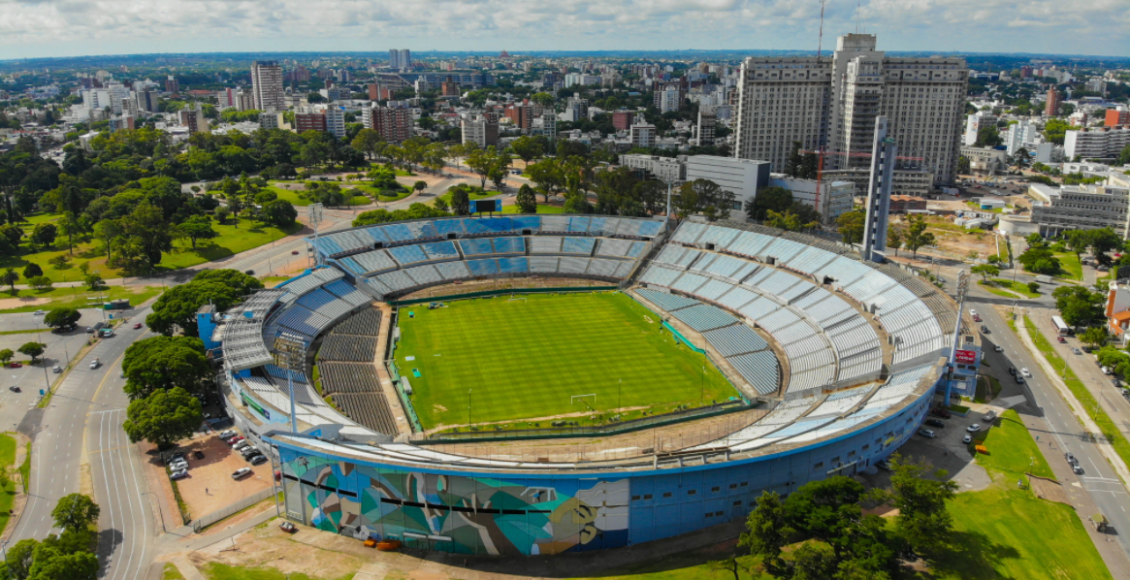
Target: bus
{"points": [[1063, 329]]}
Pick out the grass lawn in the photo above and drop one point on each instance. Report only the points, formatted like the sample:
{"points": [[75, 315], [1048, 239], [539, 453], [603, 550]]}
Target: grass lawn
{"points": [[1071, 266], [992, 289], [1012, 451], [542, 209], [288, 195], [78, 297], [1082, 394], [994, 285], [383, 194], [8, 493], [217, 571], [987, 389], [231, 240], [527, 358], [171, 572]]}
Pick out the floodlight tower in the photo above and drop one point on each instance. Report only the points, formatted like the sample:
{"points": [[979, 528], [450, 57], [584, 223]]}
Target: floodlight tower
{"points": [[883, 158], [315, 215]]}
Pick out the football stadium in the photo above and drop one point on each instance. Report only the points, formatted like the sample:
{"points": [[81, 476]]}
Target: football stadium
{"points": [[535, 385]]}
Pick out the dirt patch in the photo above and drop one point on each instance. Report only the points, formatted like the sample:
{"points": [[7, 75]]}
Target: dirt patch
{"points": [[883, 511], [1048, 489], [440, 408], [267, 547], [22, 301], [209, 485]]}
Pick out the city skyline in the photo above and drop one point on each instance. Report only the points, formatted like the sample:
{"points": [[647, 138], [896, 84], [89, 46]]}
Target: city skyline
{"points": [[52, 28]]}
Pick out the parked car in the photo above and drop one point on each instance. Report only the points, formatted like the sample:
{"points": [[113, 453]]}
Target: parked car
{"points": [[294, 253], [967, 439], [1075, 350], [1070, 458], [989, 417], [234, 440], [248, 451], [178, 465], [137, 326], [14, 389], [1019, 380], [256, 460], [1024, 371], [1061, 339], [241, 473], [228, 434], [941, 412], [976, 318], [56, 369], [1012, 371], [178, 474], [926, 433], [240, 445], [40, 312], [198, 454], [973, 428], [883, 464], [972, 312], [15, 365], [936, 423], [984, 329]]}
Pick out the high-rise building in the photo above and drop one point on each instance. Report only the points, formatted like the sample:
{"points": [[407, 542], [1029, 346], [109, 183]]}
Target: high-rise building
{"points": [[975, 122], [1096, 142], [399, 59], [643, 135], [194, 119], [171, 86], [1115, 117], [267, 85], [831, 105], [309, 120], [480, 129], [706, 122], [335, 121], [622, 119], [1051, 107], [392, 124], [147, 101]]}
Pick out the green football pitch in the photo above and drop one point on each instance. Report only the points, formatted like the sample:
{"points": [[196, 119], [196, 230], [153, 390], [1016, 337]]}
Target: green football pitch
{"points": [[493, 360]]}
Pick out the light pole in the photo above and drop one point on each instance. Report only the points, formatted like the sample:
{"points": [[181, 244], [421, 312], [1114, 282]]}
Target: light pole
{"points": [[468, 407], [619, 396]]}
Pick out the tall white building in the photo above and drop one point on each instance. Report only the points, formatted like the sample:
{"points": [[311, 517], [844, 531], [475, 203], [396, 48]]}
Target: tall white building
{"points": [[267, 85], [975, 122], [1021, 134], [643, 135], [399, 58], [741, 176], [669, 100], [335, 121], [831, 104], [1096, 142]]}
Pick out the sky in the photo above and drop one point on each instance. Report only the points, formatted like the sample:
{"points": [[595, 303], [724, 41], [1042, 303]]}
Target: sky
{"points": [[49, 28]]}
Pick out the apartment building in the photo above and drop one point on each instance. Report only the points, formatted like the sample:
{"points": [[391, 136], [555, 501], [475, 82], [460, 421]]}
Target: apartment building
{"points": [[267, 85], [392, 124], [643, 135], [622, 119], [665, 169], [975, 122], [832, 103], [1096, 142], [480, 129], [1116, 116], [309, 120], [707, 120]]}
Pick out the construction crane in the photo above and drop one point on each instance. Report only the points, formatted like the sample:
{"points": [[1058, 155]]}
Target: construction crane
{"points": [[820, 153]]}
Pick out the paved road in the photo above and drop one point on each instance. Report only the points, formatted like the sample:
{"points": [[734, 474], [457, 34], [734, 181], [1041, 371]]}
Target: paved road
{"points": [[1064, 433]]}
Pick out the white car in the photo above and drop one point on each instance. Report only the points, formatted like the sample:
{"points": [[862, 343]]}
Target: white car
{"points": [[972, 312], [1025, 373], [95, 363], [967, 439], [998, 348], [973, 428]]}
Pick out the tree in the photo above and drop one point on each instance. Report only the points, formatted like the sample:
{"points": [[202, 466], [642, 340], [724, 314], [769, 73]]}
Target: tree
{"points": [[916, 235], [767, 530], [1077, 305], [32, 349], [6, 356], [164, 362], [1095, 336], [851, 226], [44, 234], [772, 198], [163, 417], [10, 277], [62, 318], [894, 238], [420, 185], [460, 201], [814, 561], [920, 496], [1033, 287], [32, 270], [177, 307], [40, 283], [788, 221], [75, 512], [53, 564], [527, 148], [280, 213], [526, 200], [93, 281], [198, 227], [985, 270]]}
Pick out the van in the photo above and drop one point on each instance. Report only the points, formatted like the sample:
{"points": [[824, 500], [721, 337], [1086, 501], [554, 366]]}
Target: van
{"points": [[1044, 279]]}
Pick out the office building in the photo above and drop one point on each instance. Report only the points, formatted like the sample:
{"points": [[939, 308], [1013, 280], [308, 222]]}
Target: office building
{"points": [[666, 169], [622, 119], [706, 123], [1115, 117], [831, 197], [985, 160], [267, 86], [831, 104], [1096, 142], [1051, 106], [1080, 207], [480, 129], [643, 135], [394, 125], [743, 177]]}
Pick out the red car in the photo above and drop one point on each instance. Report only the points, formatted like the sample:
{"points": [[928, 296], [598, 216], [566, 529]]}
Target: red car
{"points": [[294, 253], [15, 365], [1061, 339], [235, 440], [137, 326], [976, 319]]}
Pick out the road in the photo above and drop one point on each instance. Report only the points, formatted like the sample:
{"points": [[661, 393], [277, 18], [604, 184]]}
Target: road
{"points": [[1062, 433]]}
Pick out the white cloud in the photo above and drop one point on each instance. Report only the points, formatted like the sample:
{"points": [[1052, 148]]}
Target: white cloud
{"points": [[30, 28]]}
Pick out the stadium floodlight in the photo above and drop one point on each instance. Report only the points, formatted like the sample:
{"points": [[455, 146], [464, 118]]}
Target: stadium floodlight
{"points": [[314, 212]]}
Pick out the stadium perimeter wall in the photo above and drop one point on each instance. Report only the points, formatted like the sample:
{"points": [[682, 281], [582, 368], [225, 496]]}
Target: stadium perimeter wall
{"points": [[459, 510]]}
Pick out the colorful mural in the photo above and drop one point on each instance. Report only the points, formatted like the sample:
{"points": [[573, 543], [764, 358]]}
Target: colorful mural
{"points": [[474, 515]]}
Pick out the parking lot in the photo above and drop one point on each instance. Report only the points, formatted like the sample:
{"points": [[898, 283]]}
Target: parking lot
{"points": [[209, 485]]}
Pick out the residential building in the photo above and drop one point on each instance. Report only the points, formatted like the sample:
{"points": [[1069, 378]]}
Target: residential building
{"points": [[523, 114], [480, 128], [742, 176], [267, 85], [1118, 310], [835, 199], [194, 119], [309, 120], [643, 135], [1054, 100], [392, 124], [666, 169], [975, 122], [225, 98], [576, 109], [244, 101], [1115, 117], [622, 119], [1096, 142], [1022, 134], [1080, 207], [449, 88], [171, 86], [335, 121], [147, 101], [272, 120], [831, 104], [546, 126], [705, 128], [669, 100], [399, 59], [985, 160]]}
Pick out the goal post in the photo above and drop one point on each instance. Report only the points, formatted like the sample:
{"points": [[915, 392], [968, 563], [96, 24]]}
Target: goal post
{"points": [[582, 398], [516, 298]]}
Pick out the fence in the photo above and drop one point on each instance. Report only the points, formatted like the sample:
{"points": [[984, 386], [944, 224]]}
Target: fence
{"points": [[209, 519], [714, 410], [502, 292]]}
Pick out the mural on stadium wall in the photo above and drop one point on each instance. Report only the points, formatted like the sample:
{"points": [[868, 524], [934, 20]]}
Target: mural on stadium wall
{"points": [[472, 515]]}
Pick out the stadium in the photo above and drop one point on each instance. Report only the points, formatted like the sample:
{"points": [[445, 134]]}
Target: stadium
{"points": [[536, 385]]}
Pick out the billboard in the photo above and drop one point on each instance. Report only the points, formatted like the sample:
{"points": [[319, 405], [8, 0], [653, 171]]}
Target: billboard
{"points": [[966, 357], [486, 205]]}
